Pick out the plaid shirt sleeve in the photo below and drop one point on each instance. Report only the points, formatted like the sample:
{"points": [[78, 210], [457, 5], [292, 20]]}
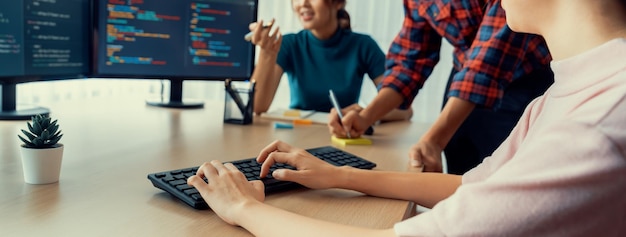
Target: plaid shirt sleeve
{"points": [[495, 58], [415, 49]]}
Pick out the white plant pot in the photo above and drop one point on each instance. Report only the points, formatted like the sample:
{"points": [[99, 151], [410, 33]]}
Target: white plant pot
{"points": [[42, 166]]}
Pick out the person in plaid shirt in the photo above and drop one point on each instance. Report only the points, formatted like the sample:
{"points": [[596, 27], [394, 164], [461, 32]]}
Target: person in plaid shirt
{"points": [[496, 73]]}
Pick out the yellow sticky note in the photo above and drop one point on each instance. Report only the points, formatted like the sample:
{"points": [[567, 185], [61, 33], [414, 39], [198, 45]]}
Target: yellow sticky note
{"points": [[351, 141], [292, 113]]}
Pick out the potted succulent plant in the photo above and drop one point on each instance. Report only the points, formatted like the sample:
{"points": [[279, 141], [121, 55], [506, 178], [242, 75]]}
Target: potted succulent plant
{"points": [[41, 152]]}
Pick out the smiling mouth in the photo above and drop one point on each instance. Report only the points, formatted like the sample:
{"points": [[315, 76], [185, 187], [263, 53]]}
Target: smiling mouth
{"points": [[306, 16]]}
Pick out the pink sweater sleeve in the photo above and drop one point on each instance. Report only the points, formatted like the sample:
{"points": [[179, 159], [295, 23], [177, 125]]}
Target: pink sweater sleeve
{"points": [[564, 180]]}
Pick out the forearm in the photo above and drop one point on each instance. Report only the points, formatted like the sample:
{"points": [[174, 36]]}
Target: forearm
{"points": [[398, 115], [266, 82], [265, 220], [425, 189], [386, 100], [452, 116]]}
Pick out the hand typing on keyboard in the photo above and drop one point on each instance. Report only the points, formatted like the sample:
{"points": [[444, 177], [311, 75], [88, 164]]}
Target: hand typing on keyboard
{"points": [[295, 168], [227, 190], [310, 171], [229, 193]]}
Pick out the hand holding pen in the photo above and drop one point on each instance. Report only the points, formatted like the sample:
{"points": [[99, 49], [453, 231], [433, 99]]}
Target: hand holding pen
{"points": [[347, 121], [333, 100], [265, 35]]}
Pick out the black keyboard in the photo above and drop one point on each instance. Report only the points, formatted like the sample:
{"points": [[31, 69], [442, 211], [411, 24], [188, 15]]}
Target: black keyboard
{"points": [[175, 181]]}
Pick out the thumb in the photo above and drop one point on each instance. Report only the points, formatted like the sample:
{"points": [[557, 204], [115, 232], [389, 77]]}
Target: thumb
{"points": [[415, 161], [285, 174], [252, 26]]}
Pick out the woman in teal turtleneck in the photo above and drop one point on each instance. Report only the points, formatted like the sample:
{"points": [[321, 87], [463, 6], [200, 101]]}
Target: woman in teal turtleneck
{"points": [[325, 55]]}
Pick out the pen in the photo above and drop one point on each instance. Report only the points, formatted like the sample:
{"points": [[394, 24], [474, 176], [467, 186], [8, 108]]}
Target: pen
{"points": [[333, 100], [248, 37]]}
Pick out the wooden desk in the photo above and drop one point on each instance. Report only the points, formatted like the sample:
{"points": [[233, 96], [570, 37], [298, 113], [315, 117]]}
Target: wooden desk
{"points": [[110, 147]]}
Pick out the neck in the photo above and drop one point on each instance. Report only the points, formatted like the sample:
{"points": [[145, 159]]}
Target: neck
{"points": [[575, 33], [326, 32]]}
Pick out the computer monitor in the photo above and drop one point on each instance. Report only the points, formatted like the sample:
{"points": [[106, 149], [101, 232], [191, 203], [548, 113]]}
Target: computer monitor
{"points": [[174, 40], [41, 40]]}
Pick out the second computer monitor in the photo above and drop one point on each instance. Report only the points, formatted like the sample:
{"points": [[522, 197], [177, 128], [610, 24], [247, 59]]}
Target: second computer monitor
{"points": [[41, 40], [176, 40]]}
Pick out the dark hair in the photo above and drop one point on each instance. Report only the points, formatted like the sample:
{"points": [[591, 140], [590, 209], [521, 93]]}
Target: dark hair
{"points": [[342, 15], [344, 19]]}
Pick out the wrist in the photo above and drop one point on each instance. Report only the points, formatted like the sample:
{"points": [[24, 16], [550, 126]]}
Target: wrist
{"points": [[344, 177], [265, 55], [435, 138], [367, 116], [242, 211], [386, 100]]}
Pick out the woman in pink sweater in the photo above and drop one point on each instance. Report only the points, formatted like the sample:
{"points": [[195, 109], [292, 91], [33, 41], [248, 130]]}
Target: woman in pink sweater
{"points": [[561, 171]]}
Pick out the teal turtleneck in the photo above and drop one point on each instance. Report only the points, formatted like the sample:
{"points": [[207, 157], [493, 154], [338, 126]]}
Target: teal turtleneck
{"points": [[314, 66]]}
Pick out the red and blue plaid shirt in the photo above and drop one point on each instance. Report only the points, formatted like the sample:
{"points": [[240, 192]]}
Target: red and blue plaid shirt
{"points": [[488, 56]]}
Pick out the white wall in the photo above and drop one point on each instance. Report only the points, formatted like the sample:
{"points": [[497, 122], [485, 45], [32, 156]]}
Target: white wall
{"points": [[381, 19]]}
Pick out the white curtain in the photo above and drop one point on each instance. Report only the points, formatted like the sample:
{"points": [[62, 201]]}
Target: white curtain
{"points": [[380, 19]]}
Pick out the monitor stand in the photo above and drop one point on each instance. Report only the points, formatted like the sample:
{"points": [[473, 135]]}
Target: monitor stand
{"points": [[9, 109], [176, 98]]}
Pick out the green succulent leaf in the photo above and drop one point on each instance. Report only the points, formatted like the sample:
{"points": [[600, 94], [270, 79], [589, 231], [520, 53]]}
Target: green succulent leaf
{"points": [[52, 128], [37, 129], [27, 143], [45, 122], [55, 140], [38, 142], [45, 135], [30, 127], [29, 135]]}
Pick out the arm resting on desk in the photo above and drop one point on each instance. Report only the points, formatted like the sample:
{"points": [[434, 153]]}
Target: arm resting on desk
{"points": [[428, 189], [265, 220], [239, 202], [425, 189]]}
